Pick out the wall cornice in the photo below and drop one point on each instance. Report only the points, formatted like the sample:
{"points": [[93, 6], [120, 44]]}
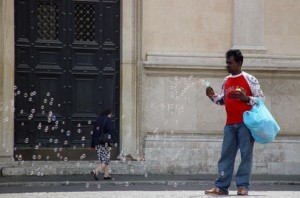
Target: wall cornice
{"points": [[197, 61]]}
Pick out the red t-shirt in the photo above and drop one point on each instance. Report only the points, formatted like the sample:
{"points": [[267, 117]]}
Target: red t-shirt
{"points": [[233, 106]]}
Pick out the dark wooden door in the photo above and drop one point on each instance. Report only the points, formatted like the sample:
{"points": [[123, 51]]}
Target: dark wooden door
{"points": [[66, 70]]}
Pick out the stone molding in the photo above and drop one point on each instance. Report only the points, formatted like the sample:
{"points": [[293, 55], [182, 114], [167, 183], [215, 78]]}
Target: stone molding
{"points": [[216, 61]]}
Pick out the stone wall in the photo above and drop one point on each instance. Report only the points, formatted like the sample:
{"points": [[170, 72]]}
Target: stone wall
{"points": [[183, 129]]}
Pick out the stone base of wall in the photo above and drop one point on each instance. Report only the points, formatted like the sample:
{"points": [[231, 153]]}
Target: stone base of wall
{"points": [[198, 154]]}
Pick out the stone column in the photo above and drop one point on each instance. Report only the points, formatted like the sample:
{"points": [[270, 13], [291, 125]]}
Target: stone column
{"points": [[6, 80], [248, 25], [130, 53]]}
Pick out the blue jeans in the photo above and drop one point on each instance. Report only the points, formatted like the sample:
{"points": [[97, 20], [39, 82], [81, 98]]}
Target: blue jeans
{"points": [[236, 136]]}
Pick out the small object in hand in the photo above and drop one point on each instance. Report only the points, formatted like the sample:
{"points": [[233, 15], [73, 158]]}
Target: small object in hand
{"points": [[238, 89], [205, 83]]}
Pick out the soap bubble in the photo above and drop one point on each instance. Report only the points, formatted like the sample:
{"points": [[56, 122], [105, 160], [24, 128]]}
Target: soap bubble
{"points": [[68, 133], [26, 140]]}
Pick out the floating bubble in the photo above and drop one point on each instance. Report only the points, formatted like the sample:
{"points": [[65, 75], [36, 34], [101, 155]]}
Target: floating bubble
{"points": [[45, 101], [31, 172], [55, 141], [91, 132], [78, 130], [42, 107], [65, 142], [22, 123], [222, 173], [48, 94], [60, 149], [53, 118], [131, 170], [21, 111], [68, 133], [26, 140], [19, 157], [50, 140], [62, 130], [43, 112], [50, 103], [42, 174], [30, 116], [18, 92], [38, 173], [58, 154], [39, 157], [36, 147], [99, 186], [175, 185], [89, 122], [79, 125], [82, 145], [53, 128], [46, 129], [126, 184], [66, 159], [40, 126], [83, 138], [58, 105], [25, 95], [47, 157], [67, 183], [33, 157], [87, 185], [146, 174]]}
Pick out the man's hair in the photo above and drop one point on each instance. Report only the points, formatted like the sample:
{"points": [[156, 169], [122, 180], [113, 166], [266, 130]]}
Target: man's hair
{"points": [[237, 55], [106, 112]]}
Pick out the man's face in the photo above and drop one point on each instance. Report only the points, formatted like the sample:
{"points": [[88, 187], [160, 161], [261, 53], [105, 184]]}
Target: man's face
{"points": [[233, 67]]}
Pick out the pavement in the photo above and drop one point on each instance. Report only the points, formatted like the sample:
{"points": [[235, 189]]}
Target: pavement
{"points": [[135, 179]]}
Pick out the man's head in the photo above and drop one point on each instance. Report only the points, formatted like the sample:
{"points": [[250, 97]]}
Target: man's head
{"points": [[234, 61]]}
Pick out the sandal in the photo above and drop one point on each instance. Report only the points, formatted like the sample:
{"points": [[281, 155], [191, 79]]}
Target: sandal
{"points": [[94, 175], [107, 177]]}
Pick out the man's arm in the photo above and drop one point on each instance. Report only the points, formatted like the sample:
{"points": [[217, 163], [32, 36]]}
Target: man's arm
{"points": [[256, 91], [216, 98]]}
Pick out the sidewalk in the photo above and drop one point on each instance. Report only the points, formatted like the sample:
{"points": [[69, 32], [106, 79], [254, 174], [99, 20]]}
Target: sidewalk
{"points": [[135, 179]]}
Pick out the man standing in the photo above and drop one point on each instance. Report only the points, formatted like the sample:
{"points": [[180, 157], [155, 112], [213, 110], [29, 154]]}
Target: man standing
{"points": [[240, 91]]}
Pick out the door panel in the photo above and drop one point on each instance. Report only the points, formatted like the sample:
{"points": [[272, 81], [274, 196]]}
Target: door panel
{"points": [[67, 66]]}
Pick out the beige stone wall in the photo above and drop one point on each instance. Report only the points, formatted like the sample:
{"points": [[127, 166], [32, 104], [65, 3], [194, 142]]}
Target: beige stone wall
{"points": [[184, 42], [190, 25], [282, 26]]}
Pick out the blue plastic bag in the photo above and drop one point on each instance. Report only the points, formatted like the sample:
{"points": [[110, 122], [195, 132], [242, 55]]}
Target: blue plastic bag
{"points": [[261, 123]]}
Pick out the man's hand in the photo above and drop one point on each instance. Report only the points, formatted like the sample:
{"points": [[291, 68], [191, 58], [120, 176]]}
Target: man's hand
{"points": [[210, 92], [242, 97]]}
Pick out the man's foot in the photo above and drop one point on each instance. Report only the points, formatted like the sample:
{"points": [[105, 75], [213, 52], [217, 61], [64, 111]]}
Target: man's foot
{"points": [[215, 191], [94, 175], [242, 191]]}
